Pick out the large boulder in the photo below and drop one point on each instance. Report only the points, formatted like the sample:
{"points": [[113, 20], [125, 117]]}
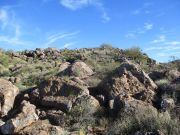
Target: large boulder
{"points": [[58, 93], [80, 69], [57, 86], [129, 105], [128, 79], [25, 118], [64, 66], [77, 69], [8, 92], [87, 103]]}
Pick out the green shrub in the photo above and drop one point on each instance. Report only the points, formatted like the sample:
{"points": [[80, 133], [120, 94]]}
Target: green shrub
{"points": [[106, 46], [135, 53], [4, 59], [144, 122]]}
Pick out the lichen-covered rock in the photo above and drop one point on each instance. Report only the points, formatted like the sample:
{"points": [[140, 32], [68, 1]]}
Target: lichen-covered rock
{"points": [[57, 86], [87, 101], [80, 69], [58, 93], [8, 92], [25, 118], [129, 105], [131, 80]]}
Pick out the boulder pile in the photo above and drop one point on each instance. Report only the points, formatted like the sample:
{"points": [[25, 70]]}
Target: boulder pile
{"points": [[45, 109]]}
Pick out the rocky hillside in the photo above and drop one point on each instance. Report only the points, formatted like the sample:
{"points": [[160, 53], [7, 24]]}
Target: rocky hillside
{"points": [[97, 91]]}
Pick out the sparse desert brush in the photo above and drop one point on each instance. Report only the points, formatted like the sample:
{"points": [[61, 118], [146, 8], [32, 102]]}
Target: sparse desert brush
{"points": [[144, 122], [4, 59], [106, 46], [162, 82], [135, 53]]}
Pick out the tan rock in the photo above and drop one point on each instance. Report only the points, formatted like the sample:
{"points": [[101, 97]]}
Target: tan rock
{"points": [[8, 92], [57, 86], [131, 105], [25, 118], [128, 79], [64, 66], [87, 102], [80, 69]]}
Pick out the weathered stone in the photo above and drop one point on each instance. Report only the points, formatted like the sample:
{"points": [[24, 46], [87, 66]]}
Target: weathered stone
{"points": [[8, 92], [25, 118], [130, 105], [58, 93], [58, 102], [87, 102], [128, 79], [56, 117], [64, 66], [80, 69], [61, 87]]}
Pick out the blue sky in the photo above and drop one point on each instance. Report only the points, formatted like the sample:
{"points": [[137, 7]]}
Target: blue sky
{"points": [[153, 25]]}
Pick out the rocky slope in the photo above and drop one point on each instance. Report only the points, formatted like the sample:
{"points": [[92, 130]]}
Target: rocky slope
{"points": [[99, 91]]}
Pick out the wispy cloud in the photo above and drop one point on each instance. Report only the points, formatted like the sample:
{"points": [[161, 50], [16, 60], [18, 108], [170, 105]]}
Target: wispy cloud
{"points": [[141, 30], [75, 4], [3, 18], [10, 25], [174, 43], [78, 4], [148, 26], [63, 37], [130, 35], [164, 48], [66, 45], [144, 9], [160, 39]]}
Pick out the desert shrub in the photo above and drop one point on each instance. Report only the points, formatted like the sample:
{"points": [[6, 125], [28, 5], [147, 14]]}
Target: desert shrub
{"points": [[135, 53], [166, 89], [21, 86], [162, 82], [4, 59], [5, 73], [82, 115], [70, 55], [32, 80], [106, 46], [176, 65], [144, 122]]}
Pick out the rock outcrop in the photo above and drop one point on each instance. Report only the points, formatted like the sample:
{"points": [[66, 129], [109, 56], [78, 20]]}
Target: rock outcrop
{"points": [[131, 80], [80, 69], [129, 105], [25, 118], [8, 93], [59, 93], [76, 69]]}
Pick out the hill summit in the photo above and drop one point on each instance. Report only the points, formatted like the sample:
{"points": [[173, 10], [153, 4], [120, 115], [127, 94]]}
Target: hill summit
{"points": [[93, 91]]}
